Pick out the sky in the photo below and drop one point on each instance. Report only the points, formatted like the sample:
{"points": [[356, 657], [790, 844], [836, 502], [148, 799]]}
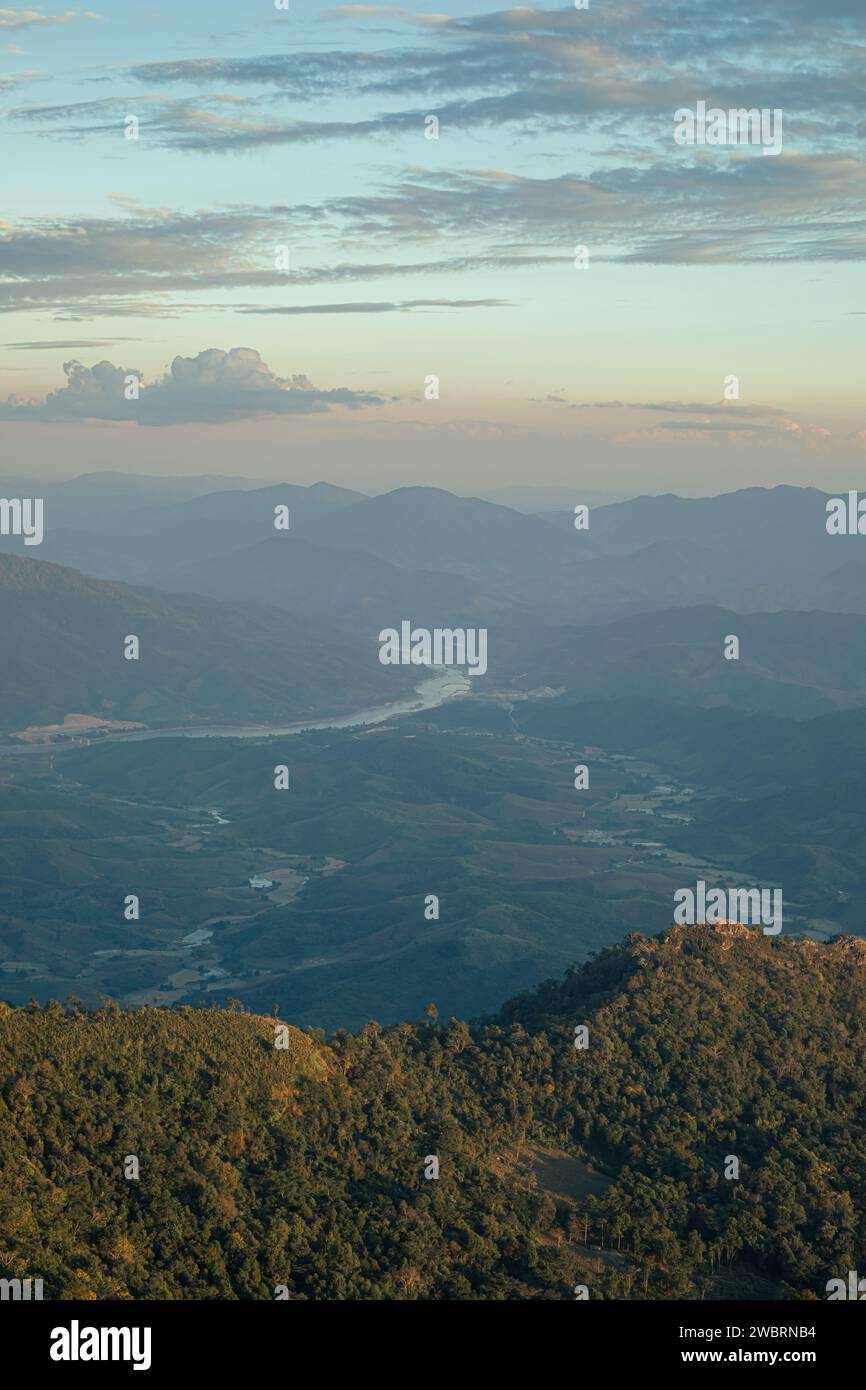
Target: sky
{"points": [[283, 259]]}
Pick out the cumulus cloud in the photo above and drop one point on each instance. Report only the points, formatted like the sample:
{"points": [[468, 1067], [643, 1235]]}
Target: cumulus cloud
{"points": [[214, 387]]}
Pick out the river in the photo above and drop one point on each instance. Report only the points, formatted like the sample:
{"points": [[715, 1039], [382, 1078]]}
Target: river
{"points": [[445, 685]]}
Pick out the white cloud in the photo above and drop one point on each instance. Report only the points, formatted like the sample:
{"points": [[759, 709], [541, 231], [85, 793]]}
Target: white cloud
{"points": [[213, 387], [30, 19]]}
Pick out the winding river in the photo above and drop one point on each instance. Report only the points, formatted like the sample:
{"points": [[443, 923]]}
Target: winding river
{"points": [[445, 685]]}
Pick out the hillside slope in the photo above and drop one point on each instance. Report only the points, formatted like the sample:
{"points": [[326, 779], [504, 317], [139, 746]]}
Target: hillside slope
{"points": [[201, 660], [304, 1168]]}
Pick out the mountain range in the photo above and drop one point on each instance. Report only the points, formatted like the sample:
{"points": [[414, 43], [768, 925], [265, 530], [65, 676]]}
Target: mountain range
{"points": [[638, 604], [751, 550]]}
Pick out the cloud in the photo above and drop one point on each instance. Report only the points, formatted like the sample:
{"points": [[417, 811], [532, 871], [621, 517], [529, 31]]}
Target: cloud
{"points": [[716, 417], [537, 71], [32, 19], [381, 307], [673, 211], [154, 262], [429, 21], [149, 261], [622, 187], [807, 434], [67, 345], [214, 387], [8, 80], [732, 420], [132, 264], [178, 122], [682, 407], [704, 425]]}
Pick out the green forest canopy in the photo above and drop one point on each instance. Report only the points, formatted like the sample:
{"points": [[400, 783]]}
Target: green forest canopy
{"points": [[304, 1167]]}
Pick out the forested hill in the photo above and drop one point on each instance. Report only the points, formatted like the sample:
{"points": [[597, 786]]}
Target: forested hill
{"points": [[299, 1170]]}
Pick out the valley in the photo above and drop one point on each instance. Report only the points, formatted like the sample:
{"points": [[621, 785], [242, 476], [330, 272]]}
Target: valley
{"points": [[313, 899]]}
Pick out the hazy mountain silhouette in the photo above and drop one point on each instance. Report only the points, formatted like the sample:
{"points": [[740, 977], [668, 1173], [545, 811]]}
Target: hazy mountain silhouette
{"points": [[349, 586], [790, 663]]}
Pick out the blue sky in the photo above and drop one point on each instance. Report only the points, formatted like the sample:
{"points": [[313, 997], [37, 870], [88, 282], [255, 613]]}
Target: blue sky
{"points": [[409, 257]]}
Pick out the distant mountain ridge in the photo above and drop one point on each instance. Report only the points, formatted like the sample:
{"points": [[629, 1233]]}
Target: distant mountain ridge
{"points": [[350, 588], [756, 549]]}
